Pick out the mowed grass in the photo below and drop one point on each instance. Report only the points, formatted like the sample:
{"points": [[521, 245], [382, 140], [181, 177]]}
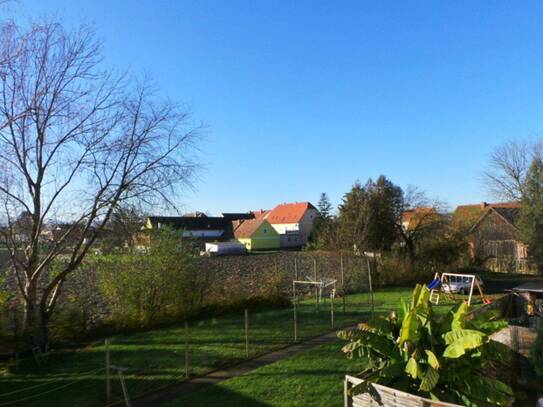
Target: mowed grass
{"points": [[156, 358], [311, 378]]}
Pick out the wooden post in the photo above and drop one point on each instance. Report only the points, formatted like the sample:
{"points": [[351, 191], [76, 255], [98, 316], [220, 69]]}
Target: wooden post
{"points": [[247, 333], [295, 269], [315, 279], [186, 349], [332, 310], [342, 284], [294, 309], [370, 286], [471, 290], [108, 373]]}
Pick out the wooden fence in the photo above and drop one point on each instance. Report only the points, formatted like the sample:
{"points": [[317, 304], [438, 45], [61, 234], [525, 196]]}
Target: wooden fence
{"points": [[382, 396]]}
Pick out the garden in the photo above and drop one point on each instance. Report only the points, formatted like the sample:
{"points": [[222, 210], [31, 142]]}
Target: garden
{"points": [[156, 358]]}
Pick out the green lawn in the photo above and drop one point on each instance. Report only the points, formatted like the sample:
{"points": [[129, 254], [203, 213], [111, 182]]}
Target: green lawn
{"points": [[156, 358], [311, 378]]}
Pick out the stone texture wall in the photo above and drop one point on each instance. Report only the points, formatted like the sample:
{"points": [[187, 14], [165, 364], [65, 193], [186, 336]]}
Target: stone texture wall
{"points": [[223, 282]]}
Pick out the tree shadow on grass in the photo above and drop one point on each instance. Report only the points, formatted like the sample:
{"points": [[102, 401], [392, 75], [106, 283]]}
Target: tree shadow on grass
{"points": [[215, 395]]}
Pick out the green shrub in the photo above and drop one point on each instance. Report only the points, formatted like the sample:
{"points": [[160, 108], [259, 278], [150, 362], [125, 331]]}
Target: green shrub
{"points": [[446, 358], [70, 320], [537, 353], [151, 287]]}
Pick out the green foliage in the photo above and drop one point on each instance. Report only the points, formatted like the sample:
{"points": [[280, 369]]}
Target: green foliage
{"points": [[537, 353], [531, 216], [324, 232], [447, 358], [369, 214], [148, 287]]}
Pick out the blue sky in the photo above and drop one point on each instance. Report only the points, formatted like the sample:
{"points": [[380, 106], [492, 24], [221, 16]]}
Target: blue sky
{"points": [[304, 97]]}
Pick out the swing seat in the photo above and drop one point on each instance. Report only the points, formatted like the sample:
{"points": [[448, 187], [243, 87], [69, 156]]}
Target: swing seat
{"points": [[487, 300], [434, 284]]}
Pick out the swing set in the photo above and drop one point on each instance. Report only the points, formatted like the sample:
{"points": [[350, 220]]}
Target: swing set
{"points": [[450, 284]]}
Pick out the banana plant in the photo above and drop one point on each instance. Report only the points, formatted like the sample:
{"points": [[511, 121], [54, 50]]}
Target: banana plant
{"points": [[449, 358]]}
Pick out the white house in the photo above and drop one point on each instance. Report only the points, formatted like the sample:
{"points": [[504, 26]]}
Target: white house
{"points": [[293, 222]]}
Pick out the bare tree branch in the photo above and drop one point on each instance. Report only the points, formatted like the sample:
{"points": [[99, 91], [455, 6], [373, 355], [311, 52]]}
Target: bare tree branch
{"points": [[78, 142]]}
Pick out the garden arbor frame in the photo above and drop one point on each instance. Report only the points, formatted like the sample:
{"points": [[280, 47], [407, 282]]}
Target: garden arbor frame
{"points": [[319, 286]]}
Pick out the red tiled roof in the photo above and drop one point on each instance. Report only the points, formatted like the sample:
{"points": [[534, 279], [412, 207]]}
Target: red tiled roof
{"points": [[247, 227], [260, 213], [288, 212]]}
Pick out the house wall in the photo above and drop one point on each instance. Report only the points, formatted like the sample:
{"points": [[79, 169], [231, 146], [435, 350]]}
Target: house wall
{"points": [[264, 238], [296, 234], [203, 233], [496, 243]]}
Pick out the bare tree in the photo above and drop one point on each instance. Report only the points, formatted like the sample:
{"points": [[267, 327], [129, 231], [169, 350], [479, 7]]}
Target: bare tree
{"points": [[508, 167], [422, 218], [76, 142]]}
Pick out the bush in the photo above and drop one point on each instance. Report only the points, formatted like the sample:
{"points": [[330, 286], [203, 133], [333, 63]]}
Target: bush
{"points": [[151, 287], [537, 353], [70, 321]]}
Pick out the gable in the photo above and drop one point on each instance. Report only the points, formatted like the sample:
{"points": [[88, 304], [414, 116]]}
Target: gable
{"points": [[289, 213], [265, 230], [466, 217], [493, 226]]}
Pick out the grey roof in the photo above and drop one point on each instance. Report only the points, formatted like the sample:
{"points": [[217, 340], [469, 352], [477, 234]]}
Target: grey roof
{"points": [[531, 286]]}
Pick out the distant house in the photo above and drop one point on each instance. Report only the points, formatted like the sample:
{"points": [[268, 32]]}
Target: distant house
{"points": [[493, 235], [417, 217], [257, 234], [198, 225], [293, 222]]}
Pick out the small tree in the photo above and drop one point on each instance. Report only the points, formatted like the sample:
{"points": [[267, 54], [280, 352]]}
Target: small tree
{"points": [[531, 216], [324, 206], [154, 286], [323, 234]]}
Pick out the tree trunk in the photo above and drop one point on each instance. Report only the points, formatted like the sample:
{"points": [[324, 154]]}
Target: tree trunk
{"points": [[35, 320]]}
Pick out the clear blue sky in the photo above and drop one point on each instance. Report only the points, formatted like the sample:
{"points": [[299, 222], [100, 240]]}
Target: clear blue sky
{"points": [[304, 97]]}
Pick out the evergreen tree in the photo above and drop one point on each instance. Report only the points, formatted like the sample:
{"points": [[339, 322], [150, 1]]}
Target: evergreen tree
{"points": [[323, 233], [324, 206], [369, 214], [531, 216]]}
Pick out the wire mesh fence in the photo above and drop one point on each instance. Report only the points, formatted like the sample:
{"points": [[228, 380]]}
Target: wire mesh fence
{"points": [[132, 364]]}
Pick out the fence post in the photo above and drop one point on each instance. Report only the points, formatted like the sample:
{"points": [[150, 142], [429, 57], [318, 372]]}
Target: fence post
{"points": [[342, 283], [108, 373], [315, 279], [294, 309], [186, 349], [247, 333], [370, 286], [332, 310]]}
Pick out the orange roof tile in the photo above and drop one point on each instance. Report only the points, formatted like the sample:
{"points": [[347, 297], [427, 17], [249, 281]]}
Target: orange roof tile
{"points": [[288, 212], [247, 227]]}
